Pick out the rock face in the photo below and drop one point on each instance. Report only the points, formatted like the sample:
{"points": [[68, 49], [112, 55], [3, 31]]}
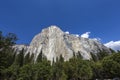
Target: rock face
{"points": [[18, 48], [53, 42]]}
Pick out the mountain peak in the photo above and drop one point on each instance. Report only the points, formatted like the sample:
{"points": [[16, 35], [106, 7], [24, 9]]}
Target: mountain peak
{"points": [[53, 43], [54, 26]]}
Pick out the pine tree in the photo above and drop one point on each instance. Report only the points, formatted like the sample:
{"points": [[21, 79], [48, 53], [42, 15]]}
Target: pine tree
{"points": [[40, 57], [6, 52], [27, 59], [20, 58], [32, 58], [94, 57], [79, 55], [61, 58], [102, 54]]}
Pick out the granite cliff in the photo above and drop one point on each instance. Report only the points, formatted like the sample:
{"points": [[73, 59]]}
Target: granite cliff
{"points": [[53, 42]]}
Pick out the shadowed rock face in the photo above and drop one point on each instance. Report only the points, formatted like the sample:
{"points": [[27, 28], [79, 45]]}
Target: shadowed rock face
{"points": [[53, 42]]}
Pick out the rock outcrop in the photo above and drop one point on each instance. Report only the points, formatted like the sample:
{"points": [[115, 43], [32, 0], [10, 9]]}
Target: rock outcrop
{"points": [[53, 42]]}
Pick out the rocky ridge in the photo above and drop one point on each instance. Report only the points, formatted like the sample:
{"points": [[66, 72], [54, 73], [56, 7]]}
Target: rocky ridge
{"points": [[53, 42]]}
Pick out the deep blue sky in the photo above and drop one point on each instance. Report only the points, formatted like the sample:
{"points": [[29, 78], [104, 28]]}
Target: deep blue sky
{"points": [[26, 18]]}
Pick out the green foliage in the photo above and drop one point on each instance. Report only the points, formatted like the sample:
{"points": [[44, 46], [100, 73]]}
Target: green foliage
{"points": [[32, 58], [112, 51], [97, 70], [6, 51], [42, 70], [94, 57], [7, 41], [19, 60], [61, 59], [26, 72], [27, 59], [40, 57], [58, 70], [108, 68], [79, 55], [78, 69], [102, 54], [111, 66], [11, 73]]}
